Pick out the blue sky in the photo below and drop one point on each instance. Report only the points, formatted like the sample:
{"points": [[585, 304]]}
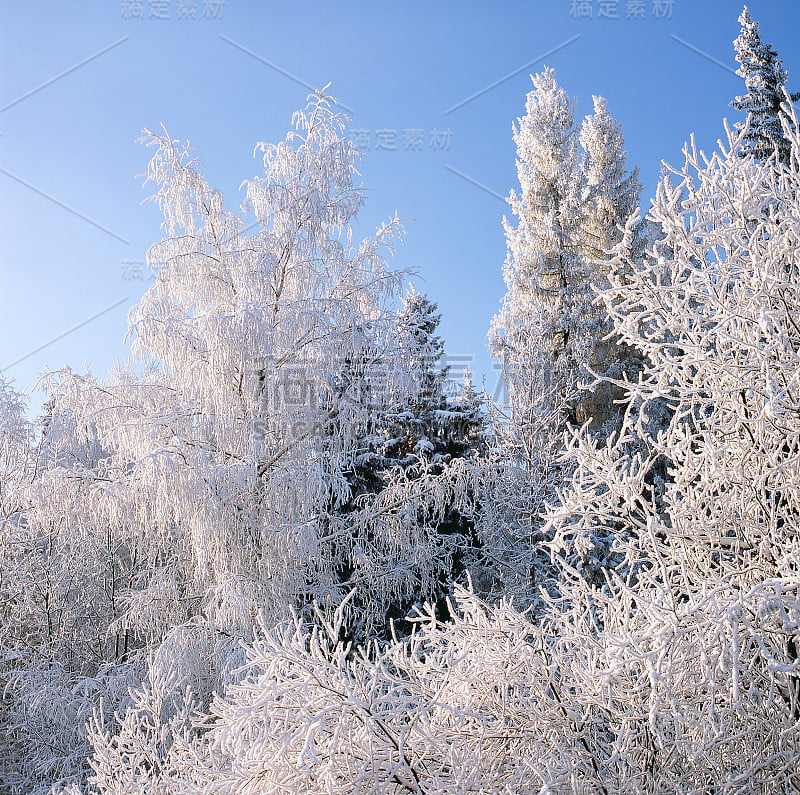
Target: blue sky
{"points": [[80, 81]]}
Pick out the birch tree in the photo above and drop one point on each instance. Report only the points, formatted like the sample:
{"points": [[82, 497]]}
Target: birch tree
{"points": [[187, 490], [678, 672]]}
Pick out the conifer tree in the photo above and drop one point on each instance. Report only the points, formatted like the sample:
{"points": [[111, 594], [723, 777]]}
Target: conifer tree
{"points": [[765, 80], [611, 196], [534, 335], [611, 192], [575, 193], [431, 431], [431, 425], [561, 368], [406, 457]]}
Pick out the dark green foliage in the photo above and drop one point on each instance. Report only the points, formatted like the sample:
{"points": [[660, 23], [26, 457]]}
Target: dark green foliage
{"points": [[413, 440]]}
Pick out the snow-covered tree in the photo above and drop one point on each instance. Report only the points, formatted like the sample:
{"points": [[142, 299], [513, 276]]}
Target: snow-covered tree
{"points": [[679, 671], [190, 490], [702, 598], [765, 80], [16, 449], [152, 748], [248, 331], [433, 436], [611, 195], [611, 192], [433, 424], [574, 194], [551, 336], [471, 705], [416, 454], [534, 334], [16, 446]]}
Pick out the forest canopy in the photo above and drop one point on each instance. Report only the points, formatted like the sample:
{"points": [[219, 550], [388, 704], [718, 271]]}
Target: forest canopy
{"points": [[281, 551]]}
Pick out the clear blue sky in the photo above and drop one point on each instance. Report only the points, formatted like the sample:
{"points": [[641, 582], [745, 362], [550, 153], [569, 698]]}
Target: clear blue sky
{"points": [[73, 228]]}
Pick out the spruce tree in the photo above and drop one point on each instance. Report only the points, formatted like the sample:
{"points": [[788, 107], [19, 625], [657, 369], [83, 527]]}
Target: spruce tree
{"points": [[534, 334], [575, 194], [405, 457], [610, 198], [611, 192], [561, 368], [765, 80], [429, 432], [431, 426]]}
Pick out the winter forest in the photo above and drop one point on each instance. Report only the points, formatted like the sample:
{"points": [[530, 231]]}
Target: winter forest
{"points": [[279, 552]]}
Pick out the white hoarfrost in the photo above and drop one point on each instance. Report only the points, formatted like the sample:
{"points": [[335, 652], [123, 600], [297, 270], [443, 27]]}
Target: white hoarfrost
{"points": [[191, 490]]}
